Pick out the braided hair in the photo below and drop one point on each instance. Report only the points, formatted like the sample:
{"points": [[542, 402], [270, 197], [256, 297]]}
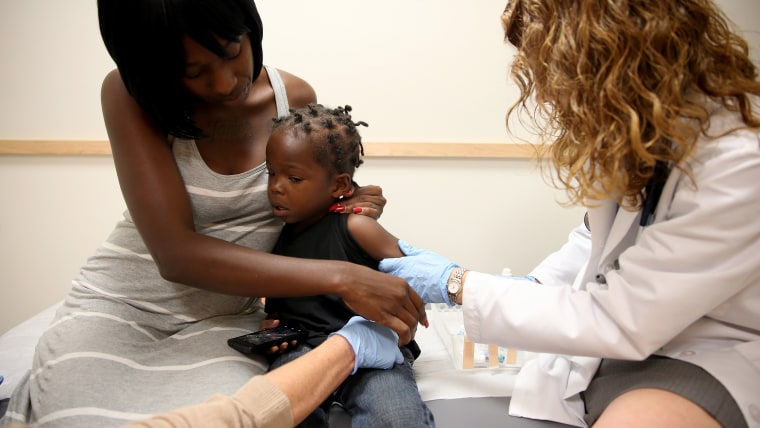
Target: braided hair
{"points": [[331, 131]]}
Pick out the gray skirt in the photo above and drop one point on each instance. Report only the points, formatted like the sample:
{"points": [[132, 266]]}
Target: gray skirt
{"points": [[616, 377]]}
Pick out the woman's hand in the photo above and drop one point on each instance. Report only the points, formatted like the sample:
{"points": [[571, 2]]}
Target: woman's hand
{"points": [[382, 298], [367, 200]]}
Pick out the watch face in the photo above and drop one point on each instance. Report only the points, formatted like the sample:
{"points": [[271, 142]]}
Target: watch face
{"points": [[454, 287]]}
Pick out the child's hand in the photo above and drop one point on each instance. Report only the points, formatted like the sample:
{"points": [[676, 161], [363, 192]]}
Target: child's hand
{"points": [[283, 347], [269, 323]]}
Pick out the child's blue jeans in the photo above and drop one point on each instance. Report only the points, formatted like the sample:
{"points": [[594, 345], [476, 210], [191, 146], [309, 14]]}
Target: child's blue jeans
{"points": [[373, 397]]}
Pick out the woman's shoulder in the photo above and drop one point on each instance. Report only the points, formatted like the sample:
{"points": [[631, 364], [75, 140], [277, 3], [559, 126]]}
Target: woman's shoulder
{"points": [[116, 101], [112, 85], [117, 104], [727, 136], [300, 92]]}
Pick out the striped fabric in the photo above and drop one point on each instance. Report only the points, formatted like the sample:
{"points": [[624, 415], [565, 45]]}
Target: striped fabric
{"points": [[126, 343]]}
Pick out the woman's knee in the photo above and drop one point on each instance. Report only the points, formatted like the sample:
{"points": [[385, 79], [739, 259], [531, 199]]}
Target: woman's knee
{"points": [[652, 408]]}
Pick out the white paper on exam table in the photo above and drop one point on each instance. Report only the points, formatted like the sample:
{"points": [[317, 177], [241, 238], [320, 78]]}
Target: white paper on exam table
{"points": [[438, 378]]}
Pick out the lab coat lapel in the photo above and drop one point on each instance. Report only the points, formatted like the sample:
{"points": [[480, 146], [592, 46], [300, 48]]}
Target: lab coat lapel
{"points": [[668, 193], [600, 222], [622, 235], [612, 229], [600, 219], [625, 228]]}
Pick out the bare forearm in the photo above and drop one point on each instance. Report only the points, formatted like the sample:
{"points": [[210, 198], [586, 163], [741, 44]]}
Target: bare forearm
{"points": [[297, 387], [216, 265], [212, 264], [310, 379]]}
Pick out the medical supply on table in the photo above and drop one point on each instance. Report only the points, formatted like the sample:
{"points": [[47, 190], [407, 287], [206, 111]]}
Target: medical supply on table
{"points": [[448, 323]]}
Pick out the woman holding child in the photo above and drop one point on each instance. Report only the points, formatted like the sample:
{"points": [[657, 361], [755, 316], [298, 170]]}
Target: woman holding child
{"points": [[144, 328]]}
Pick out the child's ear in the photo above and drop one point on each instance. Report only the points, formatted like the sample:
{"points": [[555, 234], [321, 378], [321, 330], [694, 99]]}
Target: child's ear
{"points": [[343, 186]]}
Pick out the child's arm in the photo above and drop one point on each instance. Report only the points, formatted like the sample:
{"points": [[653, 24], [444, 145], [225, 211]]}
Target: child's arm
{"points": [[373, 238]]}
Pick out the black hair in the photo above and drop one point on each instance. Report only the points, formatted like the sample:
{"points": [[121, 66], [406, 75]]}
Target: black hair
{"points": [[144, 38], [333, 134]]}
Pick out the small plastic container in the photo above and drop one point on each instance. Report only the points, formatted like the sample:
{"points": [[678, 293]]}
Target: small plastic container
{"points": [[465, 354]]}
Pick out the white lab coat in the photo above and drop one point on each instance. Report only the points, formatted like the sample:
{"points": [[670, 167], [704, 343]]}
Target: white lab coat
{"points": [[687, 286]]}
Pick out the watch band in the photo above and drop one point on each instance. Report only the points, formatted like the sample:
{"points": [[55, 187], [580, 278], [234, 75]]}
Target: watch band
{"points": [[455, 283]]}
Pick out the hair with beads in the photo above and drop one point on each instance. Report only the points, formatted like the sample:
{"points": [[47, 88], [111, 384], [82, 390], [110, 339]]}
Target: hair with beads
{"points": [[624, 85], [331, 131]]}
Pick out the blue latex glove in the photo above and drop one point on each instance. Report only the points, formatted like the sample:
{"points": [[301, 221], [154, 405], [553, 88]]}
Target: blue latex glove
{"points": [[425, 271], [375, 345]]}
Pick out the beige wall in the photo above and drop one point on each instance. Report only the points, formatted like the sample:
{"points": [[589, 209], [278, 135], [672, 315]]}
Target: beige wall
{"points": [[406, 68]]}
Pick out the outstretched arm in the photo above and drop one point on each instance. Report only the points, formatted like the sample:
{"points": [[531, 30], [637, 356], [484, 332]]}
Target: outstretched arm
{"points": [[380, 244]]}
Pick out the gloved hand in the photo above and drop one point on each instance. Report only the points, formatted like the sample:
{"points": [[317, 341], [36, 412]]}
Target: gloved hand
{"points": [[375, 345], [425, 271]]}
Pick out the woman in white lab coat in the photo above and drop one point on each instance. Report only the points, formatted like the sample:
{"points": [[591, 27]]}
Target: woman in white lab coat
{"points": [[650, 315]]}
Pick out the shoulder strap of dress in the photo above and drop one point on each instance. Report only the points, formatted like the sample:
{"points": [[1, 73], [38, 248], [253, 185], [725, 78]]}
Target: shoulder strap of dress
{"points": [[280, 95]]}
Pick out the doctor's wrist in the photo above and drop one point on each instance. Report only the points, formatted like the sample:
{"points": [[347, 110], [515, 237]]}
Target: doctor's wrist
{"points": [[455, 285], [459, 296]]}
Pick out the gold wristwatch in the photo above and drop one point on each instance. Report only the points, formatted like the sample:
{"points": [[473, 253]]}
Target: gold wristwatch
{"points": [[454, 284]]}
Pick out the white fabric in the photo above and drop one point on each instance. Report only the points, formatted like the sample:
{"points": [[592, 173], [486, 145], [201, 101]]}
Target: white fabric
{"points": [[688, 287], [436, 372], [17, 349], [561, 267]]}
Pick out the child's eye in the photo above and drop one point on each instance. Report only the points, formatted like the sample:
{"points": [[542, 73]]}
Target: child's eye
{"points": [[295, 179]]}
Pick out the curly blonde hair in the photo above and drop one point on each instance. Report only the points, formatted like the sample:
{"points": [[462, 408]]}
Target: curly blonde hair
{"points": [[617, 79]]}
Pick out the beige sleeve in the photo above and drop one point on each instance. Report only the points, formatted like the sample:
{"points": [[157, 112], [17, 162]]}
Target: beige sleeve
{"points": [[258, 404]]}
